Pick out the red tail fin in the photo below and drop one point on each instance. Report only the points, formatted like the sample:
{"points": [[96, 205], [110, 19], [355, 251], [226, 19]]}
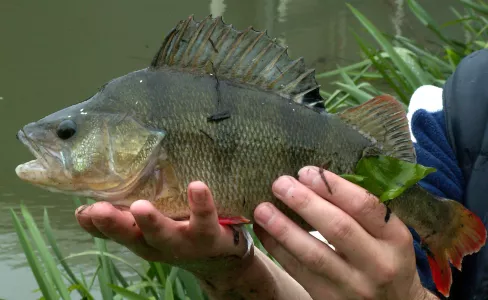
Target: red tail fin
{"points": [[466, 234]]}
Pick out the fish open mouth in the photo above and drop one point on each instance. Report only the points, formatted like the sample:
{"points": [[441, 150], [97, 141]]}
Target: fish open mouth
{"points": [[37, 168]]}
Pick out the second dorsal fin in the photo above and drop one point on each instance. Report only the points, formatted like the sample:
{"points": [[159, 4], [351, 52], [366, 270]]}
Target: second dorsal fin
{"points": [[248, 57], [384, 120]]}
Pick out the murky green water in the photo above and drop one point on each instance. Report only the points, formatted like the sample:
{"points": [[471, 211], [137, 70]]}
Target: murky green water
{"points": [[56, 53]]}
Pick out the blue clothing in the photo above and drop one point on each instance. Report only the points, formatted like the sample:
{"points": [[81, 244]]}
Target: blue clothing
{"points": [[433, 150]]}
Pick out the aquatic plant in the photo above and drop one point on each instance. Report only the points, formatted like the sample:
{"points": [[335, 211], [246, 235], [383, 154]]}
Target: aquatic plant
{"points": [[57, 280], [399, 65]]}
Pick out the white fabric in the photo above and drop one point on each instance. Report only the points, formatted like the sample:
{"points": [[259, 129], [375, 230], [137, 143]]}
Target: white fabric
{"points": [[426, 97]]}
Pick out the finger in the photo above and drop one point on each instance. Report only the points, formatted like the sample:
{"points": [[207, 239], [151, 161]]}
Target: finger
{"points": [[204, 223], [85, 221], [340, 229], [310, 252], [118, 226], [159, 231], [364, 207], [317, 286]]}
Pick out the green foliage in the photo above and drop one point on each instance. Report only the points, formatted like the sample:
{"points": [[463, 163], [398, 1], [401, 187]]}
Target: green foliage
{"points": [[57, 280], [387, 177], [399, 65]]}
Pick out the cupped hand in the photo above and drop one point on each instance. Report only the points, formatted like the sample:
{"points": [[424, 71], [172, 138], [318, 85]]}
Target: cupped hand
{"points": [[198, 244], [373, 259]]}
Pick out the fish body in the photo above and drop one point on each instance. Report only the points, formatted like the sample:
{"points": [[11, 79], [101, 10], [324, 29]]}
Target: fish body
{"points": [[231, 109]]}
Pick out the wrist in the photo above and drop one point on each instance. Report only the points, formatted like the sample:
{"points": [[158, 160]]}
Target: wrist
{"points": [[425, 294]]}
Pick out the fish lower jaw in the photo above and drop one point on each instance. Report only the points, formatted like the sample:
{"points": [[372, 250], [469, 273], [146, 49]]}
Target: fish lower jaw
{"points": [[31, 171]]}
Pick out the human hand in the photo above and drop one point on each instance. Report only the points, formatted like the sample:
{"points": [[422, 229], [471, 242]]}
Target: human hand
{"points": [[373, 259], [200, 245]]}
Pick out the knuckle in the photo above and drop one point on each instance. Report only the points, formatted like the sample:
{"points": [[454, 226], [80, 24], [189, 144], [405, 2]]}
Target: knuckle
{"points": [[366, 205], [301, 202], [281, 231], [203, 211], [292, 266], [340, 227], [404, 237], [315, 258], [387, 273]]}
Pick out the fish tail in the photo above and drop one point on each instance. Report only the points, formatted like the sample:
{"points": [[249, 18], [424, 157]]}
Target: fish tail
{"points": [[464, 235]]}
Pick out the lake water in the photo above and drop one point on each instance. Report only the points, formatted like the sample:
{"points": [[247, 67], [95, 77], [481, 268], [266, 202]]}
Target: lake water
{"points": [[56, 53]]}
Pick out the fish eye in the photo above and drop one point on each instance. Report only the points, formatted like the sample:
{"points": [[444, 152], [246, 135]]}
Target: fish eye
{"points": [[66, 129]]}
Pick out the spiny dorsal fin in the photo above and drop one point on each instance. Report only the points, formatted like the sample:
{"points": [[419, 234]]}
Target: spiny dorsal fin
{"points": [[384, 120], [248, 57]]}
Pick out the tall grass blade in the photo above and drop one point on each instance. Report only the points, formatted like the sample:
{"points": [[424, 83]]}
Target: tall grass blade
{"points": [[154, 286], [169, 294], [43, 281], [413, 81], [382, 67], [57, 252], [423, 54], [428, 21], [352, 67], [191, 285], [127, 293], [47, 258], [105, 275], [481, 8], [120, 277]]}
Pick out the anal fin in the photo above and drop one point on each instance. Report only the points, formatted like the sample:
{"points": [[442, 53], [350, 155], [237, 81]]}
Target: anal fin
{"points": [[233, 220]]}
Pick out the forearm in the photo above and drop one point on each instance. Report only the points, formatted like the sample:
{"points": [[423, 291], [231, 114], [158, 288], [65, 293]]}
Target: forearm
{"points": [[260, 278]]}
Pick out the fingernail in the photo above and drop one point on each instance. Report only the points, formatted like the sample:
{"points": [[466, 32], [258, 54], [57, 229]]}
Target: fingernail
{"points": [[282, 185], [198, 195], [263, 214], [81, 209], [306, 175]]}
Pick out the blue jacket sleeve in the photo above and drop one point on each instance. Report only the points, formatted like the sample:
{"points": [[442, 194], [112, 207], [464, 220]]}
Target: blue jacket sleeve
{"points": [[433, 150]]}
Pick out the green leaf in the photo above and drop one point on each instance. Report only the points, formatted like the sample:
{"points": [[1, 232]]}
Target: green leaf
{"points": [[387, 177], [126, 293], [357, 179]]}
